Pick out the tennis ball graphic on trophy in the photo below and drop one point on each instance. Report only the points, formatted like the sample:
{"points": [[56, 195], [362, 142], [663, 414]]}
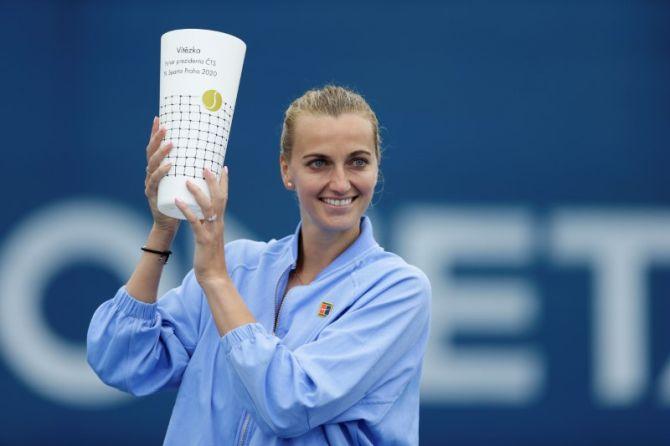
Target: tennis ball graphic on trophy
{"points": [[212, 100]]}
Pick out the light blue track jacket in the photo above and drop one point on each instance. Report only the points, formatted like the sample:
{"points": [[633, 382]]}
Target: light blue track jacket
{"points": [[342, 367]]}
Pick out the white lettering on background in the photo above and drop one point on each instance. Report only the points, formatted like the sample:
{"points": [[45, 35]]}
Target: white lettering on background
{"points": [[619, 247], [31, 256], [437, 239]]}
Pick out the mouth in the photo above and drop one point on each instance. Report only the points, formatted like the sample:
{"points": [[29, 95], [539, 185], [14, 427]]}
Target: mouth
{"points": [[338, 202]]}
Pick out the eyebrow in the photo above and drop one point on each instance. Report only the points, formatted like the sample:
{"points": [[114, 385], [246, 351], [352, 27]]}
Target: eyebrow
{"points": [[354, 153]]}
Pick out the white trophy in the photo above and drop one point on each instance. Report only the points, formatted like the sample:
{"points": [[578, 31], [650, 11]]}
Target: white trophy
{"points": [[200, 75]]}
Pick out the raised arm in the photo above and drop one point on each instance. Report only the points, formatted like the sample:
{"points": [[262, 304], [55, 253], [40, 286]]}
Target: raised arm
{"points": [[135, 343]]}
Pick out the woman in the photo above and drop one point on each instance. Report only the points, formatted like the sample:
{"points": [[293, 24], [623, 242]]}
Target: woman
{"points": [[316, 338]]}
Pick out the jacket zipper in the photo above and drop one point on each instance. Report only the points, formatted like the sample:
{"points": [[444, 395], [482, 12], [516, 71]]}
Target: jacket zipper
{"points": [[281, 301], [245, 425], [247, 417]]}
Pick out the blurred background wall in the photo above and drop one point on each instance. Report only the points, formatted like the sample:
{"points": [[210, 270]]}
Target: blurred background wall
{"points": [[525, 171]]}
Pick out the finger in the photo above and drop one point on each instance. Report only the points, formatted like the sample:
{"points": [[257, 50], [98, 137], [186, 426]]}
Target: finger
{"points": [[223, 182], [154, 126], [213, 186], [190, 216], [200, 198], [155, 140], [155, 179], [223, 187], [158, 156]]}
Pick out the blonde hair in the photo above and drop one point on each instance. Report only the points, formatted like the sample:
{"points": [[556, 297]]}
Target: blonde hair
{"points": [[331, 100]]}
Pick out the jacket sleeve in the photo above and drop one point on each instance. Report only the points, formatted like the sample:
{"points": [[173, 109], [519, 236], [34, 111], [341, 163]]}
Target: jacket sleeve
{"points": [[141, 348], [291, 392]]}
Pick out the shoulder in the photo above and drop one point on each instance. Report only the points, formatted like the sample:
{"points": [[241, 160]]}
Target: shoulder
{"points": [[242, 249], [387, 273], [383, 265]]}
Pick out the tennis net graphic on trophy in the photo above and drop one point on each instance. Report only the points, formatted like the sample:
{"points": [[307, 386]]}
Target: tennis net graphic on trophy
{"points": [[200, 75], [198, 126]]}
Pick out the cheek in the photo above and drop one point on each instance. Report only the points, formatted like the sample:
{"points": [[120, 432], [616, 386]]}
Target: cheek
{"points": [[307, 183], [368, 181], [307, 188]]}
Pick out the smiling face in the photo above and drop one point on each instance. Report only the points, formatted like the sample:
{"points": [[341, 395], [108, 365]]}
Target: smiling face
{"points": [[333, 168]]}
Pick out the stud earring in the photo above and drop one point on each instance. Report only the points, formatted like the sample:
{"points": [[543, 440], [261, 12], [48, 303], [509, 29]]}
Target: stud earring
{"points": [[289, 185]]}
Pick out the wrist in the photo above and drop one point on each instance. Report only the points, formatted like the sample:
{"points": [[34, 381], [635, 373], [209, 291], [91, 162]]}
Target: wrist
{"points": [[215, 282], [160, 239]]}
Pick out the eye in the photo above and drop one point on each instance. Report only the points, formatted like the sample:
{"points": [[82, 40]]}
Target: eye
{"points": [[317, 163], [359, 162]]}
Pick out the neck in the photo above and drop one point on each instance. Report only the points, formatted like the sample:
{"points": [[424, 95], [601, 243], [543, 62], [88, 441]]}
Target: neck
{"points": [[316, 249]]}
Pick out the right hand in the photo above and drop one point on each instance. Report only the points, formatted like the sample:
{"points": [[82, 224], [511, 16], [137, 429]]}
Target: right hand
{"points": [[155, 171]]}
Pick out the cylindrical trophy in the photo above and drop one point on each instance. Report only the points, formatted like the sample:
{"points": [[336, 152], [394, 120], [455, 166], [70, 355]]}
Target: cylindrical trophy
{"points": [[200, 75]]}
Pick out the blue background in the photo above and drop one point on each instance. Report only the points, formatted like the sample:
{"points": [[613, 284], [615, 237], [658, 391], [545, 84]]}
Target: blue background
{"points": [[533, 104]]}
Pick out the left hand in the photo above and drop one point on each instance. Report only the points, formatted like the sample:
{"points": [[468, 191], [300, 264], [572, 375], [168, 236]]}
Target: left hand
{"points": [[209, 261]]}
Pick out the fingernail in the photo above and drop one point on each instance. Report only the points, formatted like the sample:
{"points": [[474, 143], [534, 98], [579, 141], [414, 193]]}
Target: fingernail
{"points": [[226, 169]]}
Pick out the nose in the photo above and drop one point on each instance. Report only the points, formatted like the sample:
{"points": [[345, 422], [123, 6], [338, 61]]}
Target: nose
{"points": [[339, 181]]}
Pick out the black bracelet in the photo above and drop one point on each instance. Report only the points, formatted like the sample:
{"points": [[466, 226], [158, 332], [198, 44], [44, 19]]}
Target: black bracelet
{"points": [[164, 255]]}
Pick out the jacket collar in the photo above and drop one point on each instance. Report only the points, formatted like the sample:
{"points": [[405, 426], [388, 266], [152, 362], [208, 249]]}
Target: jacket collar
{"points": [[364, 242]]}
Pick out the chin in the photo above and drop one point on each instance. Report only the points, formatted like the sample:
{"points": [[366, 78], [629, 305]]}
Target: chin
{"points": [[340, 223]]}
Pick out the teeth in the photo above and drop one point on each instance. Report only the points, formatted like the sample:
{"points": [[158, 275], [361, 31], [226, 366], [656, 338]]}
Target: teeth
{"points": [[338, 202]]}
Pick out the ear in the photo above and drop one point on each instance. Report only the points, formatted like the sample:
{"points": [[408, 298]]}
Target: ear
{"points": [[283, 168]]}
